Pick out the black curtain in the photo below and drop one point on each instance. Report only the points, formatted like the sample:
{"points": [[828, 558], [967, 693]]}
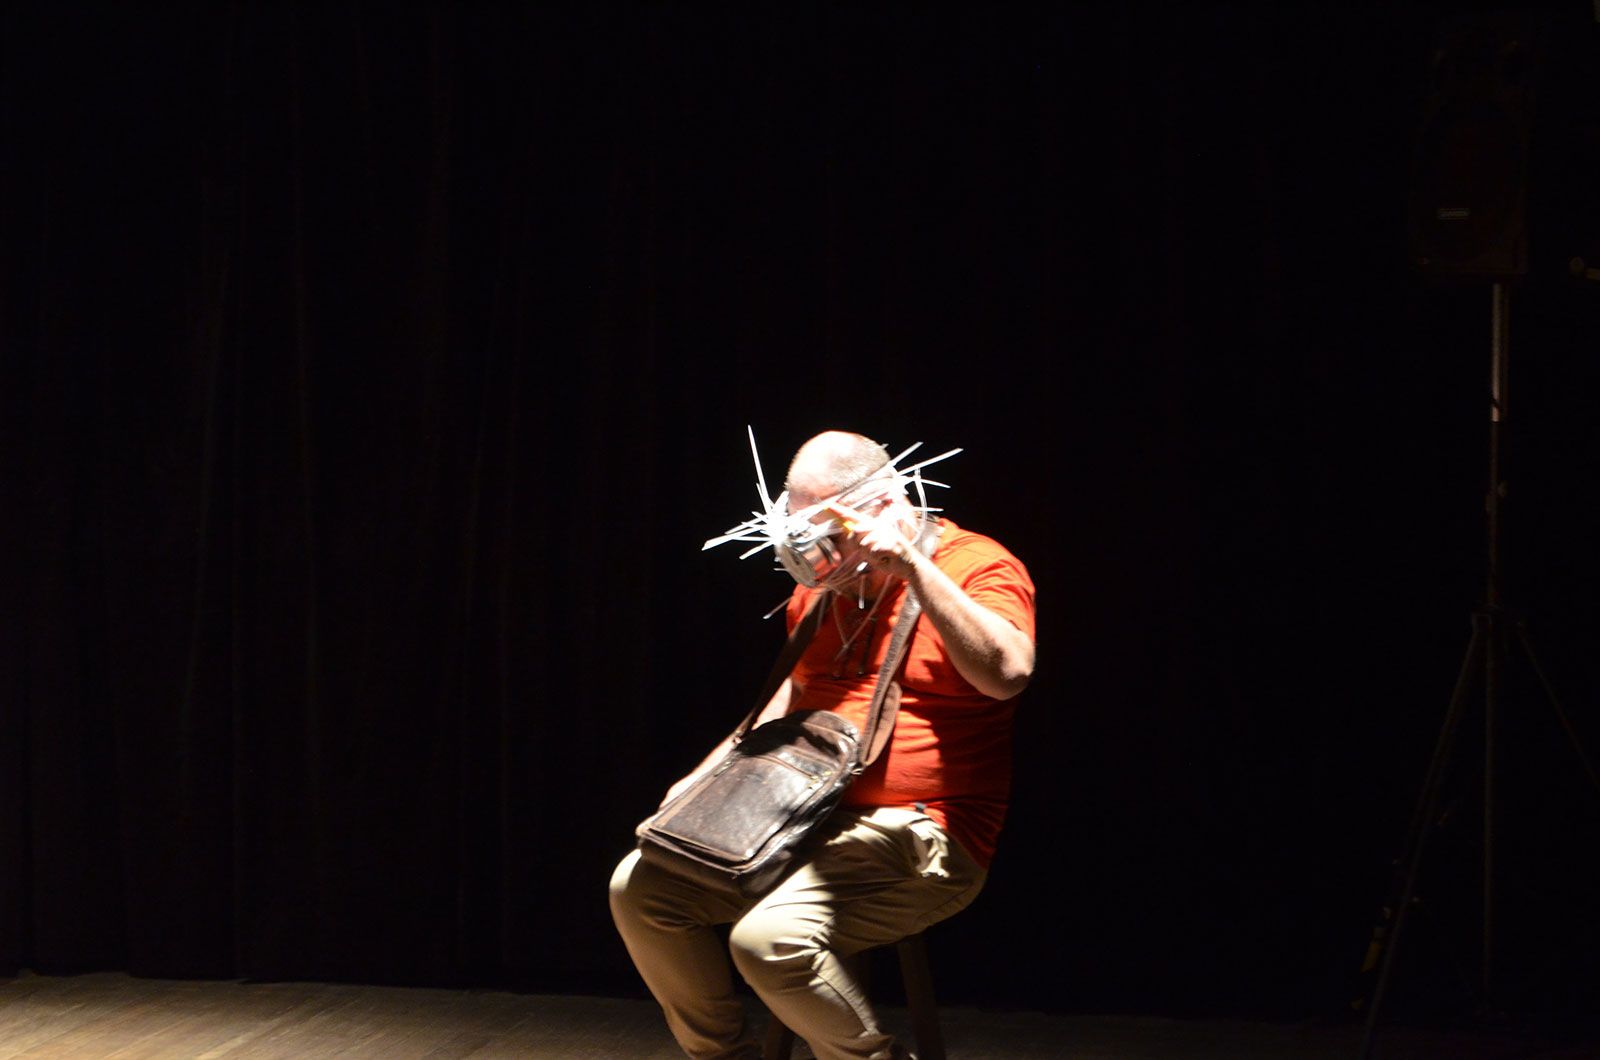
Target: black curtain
{"points": [[372, 374]]}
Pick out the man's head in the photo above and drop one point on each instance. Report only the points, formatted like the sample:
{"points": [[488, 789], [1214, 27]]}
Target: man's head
{"points": [[831, 463], [834, 479], [854, 471]]}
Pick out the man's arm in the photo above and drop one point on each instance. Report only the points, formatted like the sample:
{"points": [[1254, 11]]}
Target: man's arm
{"points": [[994, 656], [776, 707]]}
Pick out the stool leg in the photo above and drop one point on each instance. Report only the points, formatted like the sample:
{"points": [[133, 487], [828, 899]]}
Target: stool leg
{"points": [[918, 979]]}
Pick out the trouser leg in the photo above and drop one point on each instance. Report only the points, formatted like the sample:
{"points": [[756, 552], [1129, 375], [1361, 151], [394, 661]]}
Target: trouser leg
{"points": [[667, 923], [880, 876]]}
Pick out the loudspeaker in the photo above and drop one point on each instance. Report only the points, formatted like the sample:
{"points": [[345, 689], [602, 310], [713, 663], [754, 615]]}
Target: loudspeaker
{"points": [[1469, 177]]}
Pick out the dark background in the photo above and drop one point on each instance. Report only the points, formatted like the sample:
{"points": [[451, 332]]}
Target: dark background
{"points": [[371, 374]]}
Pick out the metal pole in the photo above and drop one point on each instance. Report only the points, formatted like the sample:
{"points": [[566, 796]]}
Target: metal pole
{"points": [[1499, 323], [1499, 329]]}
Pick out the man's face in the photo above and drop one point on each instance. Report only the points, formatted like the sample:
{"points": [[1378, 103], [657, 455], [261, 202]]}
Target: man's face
{"points": [[836, 554], [816, 555]]}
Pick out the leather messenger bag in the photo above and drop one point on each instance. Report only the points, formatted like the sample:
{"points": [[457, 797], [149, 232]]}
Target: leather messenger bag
{"points": [[739, 823]]}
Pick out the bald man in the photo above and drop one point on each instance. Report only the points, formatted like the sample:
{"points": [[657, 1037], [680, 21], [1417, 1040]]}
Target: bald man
{"points": [[912, 841]]}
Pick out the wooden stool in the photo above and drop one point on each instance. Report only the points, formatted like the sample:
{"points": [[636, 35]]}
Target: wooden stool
{"points": [[913, 953]]}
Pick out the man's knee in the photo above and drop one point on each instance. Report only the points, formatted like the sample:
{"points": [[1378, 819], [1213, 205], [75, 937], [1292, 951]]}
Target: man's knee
{"points": [[643, 893], [624, 896], [764, 942], [749, 942]]}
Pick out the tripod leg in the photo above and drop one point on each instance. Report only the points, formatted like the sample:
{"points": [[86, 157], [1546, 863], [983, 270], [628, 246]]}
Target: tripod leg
{"points": [[1495, 657], [1422, 823], [1555, 704]]}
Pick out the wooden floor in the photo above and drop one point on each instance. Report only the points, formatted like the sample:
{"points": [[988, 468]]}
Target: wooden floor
{"points": [[113, 1015]]}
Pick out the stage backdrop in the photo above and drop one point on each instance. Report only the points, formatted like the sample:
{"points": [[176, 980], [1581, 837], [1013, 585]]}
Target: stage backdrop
{"points": [[372, 374]]}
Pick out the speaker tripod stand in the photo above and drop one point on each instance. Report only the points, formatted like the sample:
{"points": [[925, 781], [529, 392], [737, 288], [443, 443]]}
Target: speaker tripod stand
{"points": [[1495, 633]]}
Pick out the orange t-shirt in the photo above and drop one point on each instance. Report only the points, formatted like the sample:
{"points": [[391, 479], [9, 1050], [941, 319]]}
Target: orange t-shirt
{"points": [[951, 747]]}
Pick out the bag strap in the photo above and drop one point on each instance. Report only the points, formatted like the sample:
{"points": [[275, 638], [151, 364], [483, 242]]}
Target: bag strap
{"points": [[885, 709], [793, 648]]}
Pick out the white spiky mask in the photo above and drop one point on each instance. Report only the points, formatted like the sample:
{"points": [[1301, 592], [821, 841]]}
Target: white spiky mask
{"points": [[804, 545]]}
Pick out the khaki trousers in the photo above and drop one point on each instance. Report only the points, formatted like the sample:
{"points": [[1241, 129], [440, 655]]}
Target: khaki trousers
{"points": [[878, 876]]}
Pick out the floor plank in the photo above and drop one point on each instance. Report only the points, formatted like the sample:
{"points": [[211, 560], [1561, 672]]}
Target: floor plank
{"points": [[112, 1016]]}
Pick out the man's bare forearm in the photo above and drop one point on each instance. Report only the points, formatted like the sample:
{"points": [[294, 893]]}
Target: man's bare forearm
{"points": [[994, 656], [776, 707]]}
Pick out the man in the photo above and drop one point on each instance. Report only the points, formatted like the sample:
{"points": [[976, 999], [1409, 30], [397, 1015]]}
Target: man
{"points": [[911, 843]]}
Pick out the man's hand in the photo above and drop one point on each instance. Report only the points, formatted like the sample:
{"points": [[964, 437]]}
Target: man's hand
{"points": [[776, 707], [875, 540], [679, 788]]}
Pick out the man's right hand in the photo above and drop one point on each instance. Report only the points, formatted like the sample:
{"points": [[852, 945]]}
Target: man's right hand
{"points": [[679, 788]]}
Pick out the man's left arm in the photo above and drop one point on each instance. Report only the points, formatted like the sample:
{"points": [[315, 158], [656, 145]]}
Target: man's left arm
{"points": [[994, 656]]}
